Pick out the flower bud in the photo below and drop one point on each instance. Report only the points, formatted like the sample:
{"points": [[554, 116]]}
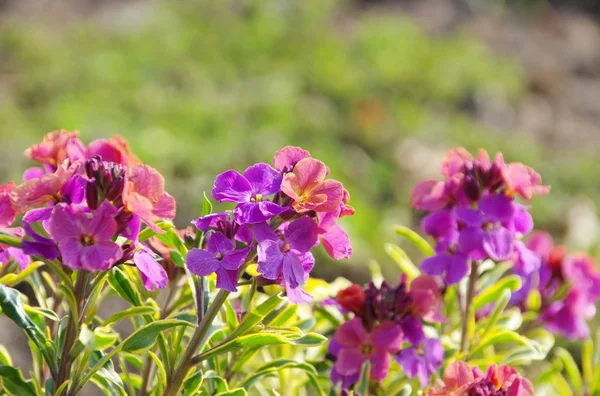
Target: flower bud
{"points": [[106, 177], [91, 194], [92, 166], [115, 190], [353, 299], [471, 188]]}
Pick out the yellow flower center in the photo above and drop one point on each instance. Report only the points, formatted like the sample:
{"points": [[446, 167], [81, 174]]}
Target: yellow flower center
{"points": [[87, 240]]}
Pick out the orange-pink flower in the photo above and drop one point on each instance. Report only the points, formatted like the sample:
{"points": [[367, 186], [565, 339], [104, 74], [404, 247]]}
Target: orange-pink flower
{"points": [[115, 149], [523, 180], [307, 186], [56, 147], [39, 191], [144, 194], [7, 212]]}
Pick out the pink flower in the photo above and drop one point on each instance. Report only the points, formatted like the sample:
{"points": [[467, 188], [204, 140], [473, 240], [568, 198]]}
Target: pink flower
{"points": [[427, 298], [334, 238], [286, 158], [455, 160], [56, 147], [115, 149], [460, 379], [523, 180], [39, 191], [7, 212], [8, 252], [307, 186], [431, 195], [144, 194]]}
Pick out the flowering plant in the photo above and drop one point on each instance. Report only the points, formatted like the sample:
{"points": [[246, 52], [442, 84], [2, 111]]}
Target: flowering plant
{"points": [[93, 224]]}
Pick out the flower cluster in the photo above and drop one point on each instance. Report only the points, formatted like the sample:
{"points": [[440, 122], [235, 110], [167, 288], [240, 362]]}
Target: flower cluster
{"points": [[388, 322], [568, 284], [474, 215], [461, 379], [281, 213], [85, 205]]}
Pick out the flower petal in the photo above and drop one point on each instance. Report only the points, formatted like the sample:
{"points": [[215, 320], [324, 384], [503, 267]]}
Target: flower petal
{"points": [[218, 243], [263, 179], [233, 259], [336, 243], [351, 333], [302, 234], [227, 279], [349, 361], [293, 271], [103, 224], [153, 274], [499, 243], [286, 158], [100, 256], [497, 207], [202, 262], [387, 337], [230, 186], [270, 259]]}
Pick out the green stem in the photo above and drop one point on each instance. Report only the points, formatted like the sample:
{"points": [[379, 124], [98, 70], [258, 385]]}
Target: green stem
{"points": [[72, 329], [11, 240], [196, 343], [469, 310]]}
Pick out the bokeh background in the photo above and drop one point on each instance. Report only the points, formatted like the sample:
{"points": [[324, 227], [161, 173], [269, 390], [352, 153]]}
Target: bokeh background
{"points": [[379, 90]]}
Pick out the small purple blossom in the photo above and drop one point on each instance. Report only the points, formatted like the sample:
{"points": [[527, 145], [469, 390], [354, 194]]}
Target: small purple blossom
{"points": [[220, 257], [287, 255], [248, 191], [84, 239], [153, 274], [422, 361], [225, 224]]}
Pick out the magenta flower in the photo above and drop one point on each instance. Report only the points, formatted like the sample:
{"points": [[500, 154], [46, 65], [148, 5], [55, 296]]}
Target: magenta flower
{"points": [[35, 244], [10, 252], [334, 238], [249, 191], [220, 257], [115, 149], [7, 212], [153, 274], [84, 239], [286, 256], [144, 195], [422, 361], [352, 346], [225, 224]]}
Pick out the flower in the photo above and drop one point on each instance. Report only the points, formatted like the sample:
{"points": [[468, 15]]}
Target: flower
{"points": [[426, 298], [460, 379], [153, 274], [84, 240], [248, 191], [225, 224], [7, 212], [352, 299], [8, 252], [286, 158], [39, 191], [144, 194], [334, 238], [352, 345], [220, 257], [307, 187], [286, 256], [115, 149], [523, 180], [422, 361], [56, 147]]}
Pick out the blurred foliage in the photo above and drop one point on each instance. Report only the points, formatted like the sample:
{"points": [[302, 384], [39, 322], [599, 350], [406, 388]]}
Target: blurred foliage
{"points": [[202, 87]]}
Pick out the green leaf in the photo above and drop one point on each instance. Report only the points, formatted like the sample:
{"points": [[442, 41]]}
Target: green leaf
{"points": [[507, 337], [587, 363], [148, 233], [234, 392], [5, 358], [493, 293], [498, 309], [281, 364], [400, 257], [362, 388], [145, 336], [14, 383], [161, 377], [11, 305], [415, 239], [128, 313], [121, 284], [192, 384], [13, 279], [206, 205], [41, 312], [177, 258], [263, 339], [571, 368], [256, 315], [99, 339], [11, 240], [172, 239]]}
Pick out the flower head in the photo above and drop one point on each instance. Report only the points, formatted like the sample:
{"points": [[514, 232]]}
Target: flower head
{"points": [[220, 257], [115, 149], [352, 345], [286, 158], [249, 192], [307, 187], [144, 194], [352, 299], [56, 147], [84, 239], [422, 361], [7, 212]]}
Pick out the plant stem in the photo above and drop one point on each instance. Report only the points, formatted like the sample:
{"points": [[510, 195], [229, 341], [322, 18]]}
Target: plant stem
{"points": [[468, 313], [196, 343], [72, 329]]}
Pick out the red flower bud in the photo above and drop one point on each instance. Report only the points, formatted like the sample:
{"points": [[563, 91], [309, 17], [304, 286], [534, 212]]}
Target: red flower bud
{"points": [[353, 299]]}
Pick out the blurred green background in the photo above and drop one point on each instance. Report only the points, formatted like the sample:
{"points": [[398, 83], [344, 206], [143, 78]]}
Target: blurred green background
{"points": [[377, 91]]}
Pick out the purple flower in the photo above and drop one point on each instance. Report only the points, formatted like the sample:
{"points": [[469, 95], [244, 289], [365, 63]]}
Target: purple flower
{"points": [[84, 239], [289, 255], [352, 345], [422, 361], [454, 266], [153, 274], [9, 252], [223, 222], [220, 257], [248, 191], [568, 317]]}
